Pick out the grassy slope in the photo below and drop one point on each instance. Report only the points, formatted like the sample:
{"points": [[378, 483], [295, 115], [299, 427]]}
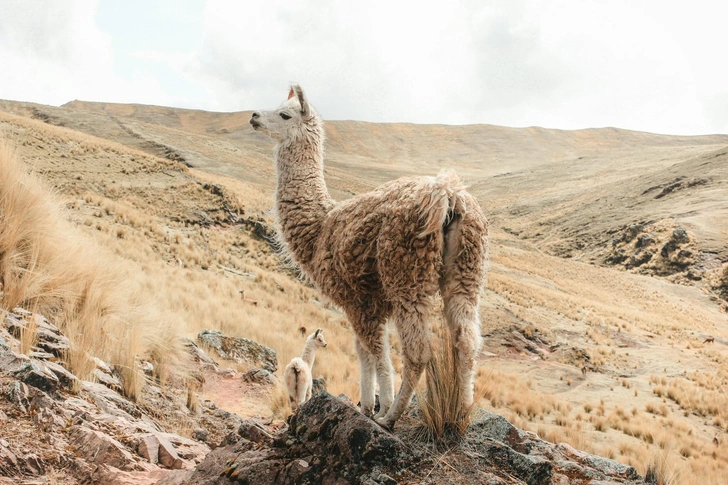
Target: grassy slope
{"points": [[644, 335]]}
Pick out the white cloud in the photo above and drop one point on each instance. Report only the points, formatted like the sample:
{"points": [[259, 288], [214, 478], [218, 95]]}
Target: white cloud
{"points": [[53, 52], [648, 65], [569, 64]]}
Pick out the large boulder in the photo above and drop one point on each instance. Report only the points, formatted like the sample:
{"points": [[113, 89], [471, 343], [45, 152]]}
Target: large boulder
{"points": [[328, 441], [239, 349], [100, 449]]}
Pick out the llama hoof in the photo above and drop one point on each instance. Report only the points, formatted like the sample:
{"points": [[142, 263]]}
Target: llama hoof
{"points": [[382, 412], [384, 423], [368, 412]]}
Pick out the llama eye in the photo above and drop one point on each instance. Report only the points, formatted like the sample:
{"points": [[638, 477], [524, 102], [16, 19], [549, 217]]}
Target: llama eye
{"points": [[285, 116]]}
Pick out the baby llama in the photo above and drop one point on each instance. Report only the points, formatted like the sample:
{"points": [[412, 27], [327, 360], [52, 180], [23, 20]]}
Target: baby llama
{"points": [[298, 375]]}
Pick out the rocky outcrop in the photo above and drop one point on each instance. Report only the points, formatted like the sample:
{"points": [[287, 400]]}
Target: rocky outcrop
{"points": [[661, 248], [87, 432], [239, 349], [329, 441]]}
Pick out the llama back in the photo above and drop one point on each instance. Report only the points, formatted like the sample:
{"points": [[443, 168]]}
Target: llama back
{"points": [[297, 377]]}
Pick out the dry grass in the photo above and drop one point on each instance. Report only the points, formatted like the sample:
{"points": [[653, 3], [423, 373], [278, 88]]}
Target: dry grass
{"points": [[441, 404], [279, 402], [47, 265], [630, 327]]}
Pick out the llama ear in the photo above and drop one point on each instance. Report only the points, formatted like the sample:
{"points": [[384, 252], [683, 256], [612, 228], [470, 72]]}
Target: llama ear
{"points": [[318, 331], [305, 110]]}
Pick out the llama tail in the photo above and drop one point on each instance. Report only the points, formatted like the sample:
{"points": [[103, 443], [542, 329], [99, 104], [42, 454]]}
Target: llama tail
{"points": [[299, 378], [442, 201]]}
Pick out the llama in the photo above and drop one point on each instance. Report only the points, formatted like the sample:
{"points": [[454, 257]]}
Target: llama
{"points": [[298, 375], [381, 255]]}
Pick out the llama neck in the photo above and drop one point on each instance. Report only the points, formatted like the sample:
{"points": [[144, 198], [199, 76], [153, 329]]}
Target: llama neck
{"points": [[309, 353], [302, 198]]}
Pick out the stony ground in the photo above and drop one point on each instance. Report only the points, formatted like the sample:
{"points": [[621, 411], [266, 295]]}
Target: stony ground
{"points": [[60, 430]]}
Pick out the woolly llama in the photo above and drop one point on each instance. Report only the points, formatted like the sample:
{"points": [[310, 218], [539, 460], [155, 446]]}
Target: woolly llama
{"points": [[381, 255], [298, 375]]}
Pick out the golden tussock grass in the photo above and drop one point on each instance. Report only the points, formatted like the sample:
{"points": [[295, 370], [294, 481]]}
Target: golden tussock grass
{"points": [[46, 265], [442, 411]]}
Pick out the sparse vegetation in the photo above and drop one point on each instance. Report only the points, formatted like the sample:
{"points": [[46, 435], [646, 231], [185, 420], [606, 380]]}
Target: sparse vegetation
{"points": [[146, 228]]}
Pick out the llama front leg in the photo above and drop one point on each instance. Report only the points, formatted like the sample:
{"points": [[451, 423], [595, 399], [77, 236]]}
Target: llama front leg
{"points": [[414, 335], [385, 373], [366, 378]]}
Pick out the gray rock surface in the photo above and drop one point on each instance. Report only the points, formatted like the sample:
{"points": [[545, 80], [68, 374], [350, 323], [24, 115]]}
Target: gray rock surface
{"points": [[239, 349]]}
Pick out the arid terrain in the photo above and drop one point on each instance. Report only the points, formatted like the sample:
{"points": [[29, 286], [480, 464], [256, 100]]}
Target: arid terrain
{"points": [[605, 318]]}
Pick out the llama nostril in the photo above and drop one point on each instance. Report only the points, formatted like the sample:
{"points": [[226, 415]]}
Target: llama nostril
{"points": [[255, 114]]}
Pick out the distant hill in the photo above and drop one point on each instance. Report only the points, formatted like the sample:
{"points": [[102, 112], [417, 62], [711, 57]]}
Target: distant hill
{"points": [[569, 192]]}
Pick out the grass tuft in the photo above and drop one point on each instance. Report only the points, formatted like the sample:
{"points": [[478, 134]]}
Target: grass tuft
{"points": [[443, 416]]}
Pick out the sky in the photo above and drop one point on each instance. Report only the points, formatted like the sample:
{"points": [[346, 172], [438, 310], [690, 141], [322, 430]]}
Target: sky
{"points": [[657, 66]]}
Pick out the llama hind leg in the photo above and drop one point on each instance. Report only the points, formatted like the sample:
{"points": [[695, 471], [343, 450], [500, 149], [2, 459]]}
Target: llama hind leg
{"points": [[414, 334], [367, 365], [464, 322]]}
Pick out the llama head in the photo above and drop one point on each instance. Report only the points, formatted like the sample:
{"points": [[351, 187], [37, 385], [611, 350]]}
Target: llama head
{"points": [[289, 120], [318, 338]]}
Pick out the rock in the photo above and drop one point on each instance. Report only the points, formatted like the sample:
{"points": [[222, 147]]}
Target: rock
{"points": [[33, 465], [239, 349], [495, 427], [186, 448], [9, 465], [104, 374], [331, 442], [50, 339], [148, 448], [36, 374], [680, 235], [319, 384], [168, 457], [108, 380], [606, 467], [67, 380], [17, 394], [534, 470], [198, 355], [252, 431], [109, 401], [99, 448], [11, 361], [200, 434], [148, 368], [645, 240], [259, 376]]}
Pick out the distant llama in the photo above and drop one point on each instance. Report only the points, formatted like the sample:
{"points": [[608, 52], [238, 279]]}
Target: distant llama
{"points": [[381, 254], [298, 375]]}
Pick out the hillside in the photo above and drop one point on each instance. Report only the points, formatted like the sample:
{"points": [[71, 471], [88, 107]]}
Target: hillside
{"points": [[587, 340]]}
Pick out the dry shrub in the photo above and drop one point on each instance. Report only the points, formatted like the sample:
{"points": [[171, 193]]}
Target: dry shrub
{"points": [[441, 405], [279, 403], [662, 470], [47, 265]]}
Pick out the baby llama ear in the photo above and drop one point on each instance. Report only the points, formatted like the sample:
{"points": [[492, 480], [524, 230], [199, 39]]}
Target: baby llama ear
{"points": [[318, 331], [305, 109]]}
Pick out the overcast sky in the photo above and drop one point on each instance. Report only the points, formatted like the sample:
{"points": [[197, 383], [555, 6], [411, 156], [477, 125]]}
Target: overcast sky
{"points": [[658, 66]]}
